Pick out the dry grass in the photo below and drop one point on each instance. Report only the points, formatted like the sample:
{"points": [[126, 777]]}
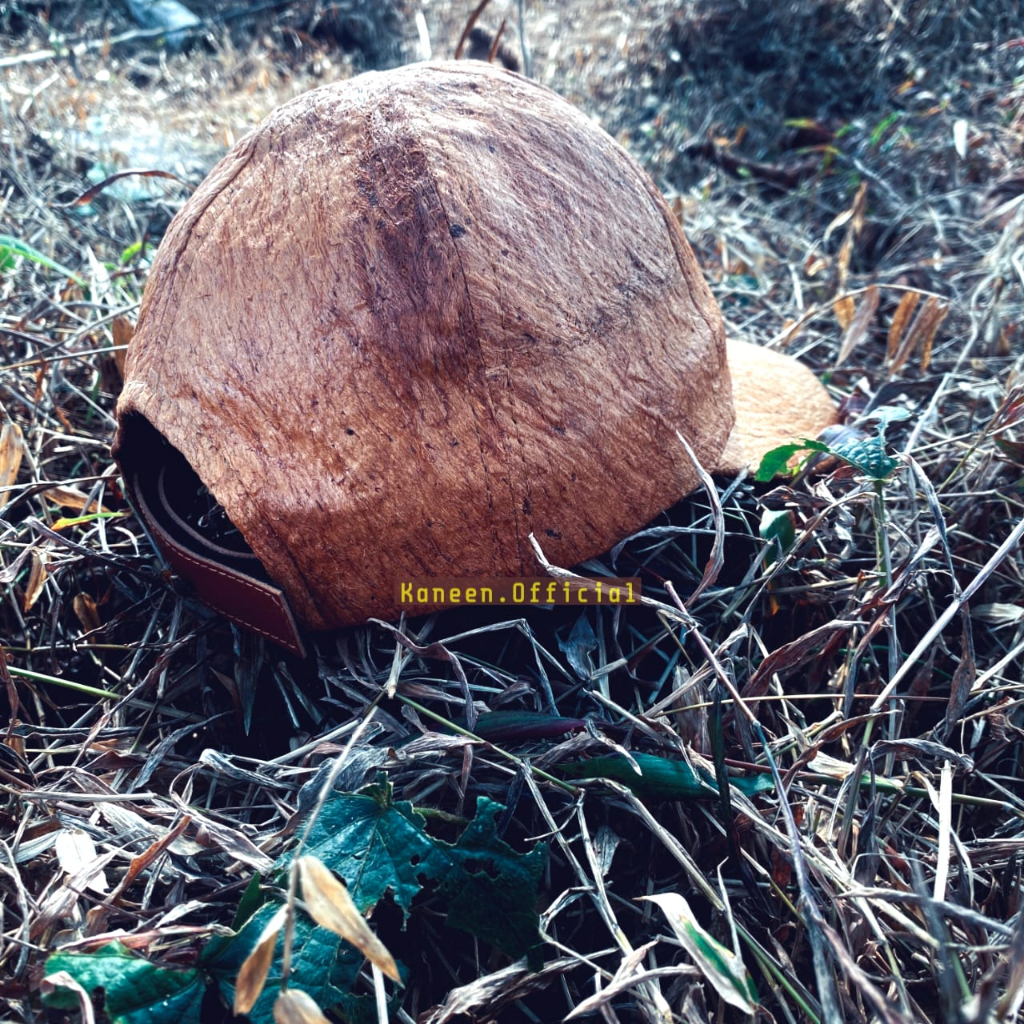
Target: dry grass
{"points": [[877, 662]]}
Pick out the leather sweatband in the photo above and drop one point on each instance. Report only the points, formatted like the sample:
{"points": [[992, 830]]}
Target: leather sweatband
{"points": [[250, 602]]}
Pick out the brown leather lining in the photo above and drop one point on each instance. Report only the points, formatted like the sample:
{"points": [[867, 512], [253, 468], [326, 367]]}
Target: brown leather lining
{"points": [[239, 596]]}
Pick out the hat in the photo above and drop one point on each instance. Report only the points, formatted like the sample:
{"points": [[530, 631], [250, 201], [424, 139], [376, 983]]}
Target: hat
{"points": [[410, 320]]}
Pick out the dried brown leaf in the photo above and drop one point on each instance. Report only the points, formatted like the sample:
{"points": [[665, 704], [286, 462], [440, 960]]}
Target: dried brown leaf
{"points": [[929, 340], [795, 653], [76, 853], [12, 447], [862, 320], [122, 330], [844, 308], [13, 700], [63, 982], [330, 905], [963, 680], [853, 230], [36, 580], [71, 497], [900, 319], [86, 612], [922, 333], [253, 973], [293, 1006]]}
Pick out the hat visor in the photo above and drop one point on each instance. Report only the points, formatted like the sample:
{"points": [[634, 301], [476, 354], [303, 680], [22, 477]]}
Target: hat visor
{"points": [[777, 401]]}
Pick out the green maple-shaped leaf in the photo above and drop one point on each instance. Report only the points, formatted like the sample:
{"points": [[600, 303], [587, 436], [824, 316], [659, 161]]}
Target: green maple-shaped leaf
{"points": [[378, 845], [324, 966], [134, 990]]}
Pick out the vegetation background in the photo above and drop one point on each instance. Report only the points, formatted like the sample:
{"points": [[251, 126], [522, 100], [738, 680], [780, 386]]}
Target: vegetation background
{"points": [[849, 173]]}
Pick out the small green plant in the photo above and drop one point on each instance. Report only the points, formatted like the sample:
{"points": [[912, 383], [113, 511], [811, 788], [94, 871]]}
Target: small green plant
{"points": [[866, 454]]}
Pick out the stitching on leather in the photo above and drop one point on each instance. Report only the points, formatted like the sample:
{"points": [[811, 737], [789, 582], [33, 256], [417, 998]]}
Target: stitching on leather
{"points": [[252, 586]]}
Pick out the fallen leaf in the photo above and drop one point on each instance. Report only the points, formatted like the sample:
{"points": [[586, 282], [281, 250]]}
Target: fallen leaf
{"points": [[36, 580], [862, 320], [900, 319], [297, 1007], [252, 975], [86, 612], [75, 852], [71, 497], [12, 447], [844, 308], [924, 328]]}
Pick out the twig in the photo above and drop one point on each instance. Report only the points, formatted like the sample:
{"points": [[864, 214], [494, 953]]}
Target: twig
{"points": [[477, 11]]}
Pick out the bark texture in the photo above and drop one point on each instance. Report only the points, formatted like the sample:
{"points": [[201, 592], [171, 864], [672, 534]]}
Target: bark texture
{"points": [[414, 317]]}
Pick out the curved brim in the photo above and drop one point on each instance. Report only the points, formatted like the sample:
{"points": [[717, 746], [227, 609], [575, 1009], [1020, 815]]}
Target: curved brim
{"points": [[777, 400]]}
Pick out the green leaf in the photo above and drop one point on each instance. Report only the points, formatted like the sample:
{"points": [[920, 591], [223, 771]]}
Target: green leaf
{"points": [[130, 252], [719, 964], [520, 726], [660, 778], [883, 126], [134, 990], [11, 247], [776, 462], [379, 845], [779, 527], [866, 454]]}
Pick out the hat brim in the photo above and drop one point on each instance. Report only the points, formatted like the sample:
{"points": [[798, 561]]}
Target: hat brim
{"points": [[777, 401]]}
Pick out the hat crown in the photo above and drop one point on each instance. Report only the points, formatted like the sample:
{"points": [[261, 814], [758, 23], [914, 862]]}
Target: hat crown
{"points": [[413, 318]]}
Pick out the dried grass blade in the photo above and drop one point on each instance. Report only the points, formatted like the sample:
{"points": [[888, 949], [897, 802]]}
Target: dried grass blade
{"points": [[1013, 993], [858, 329], [13, 700], [623, 982], [141, 862], [963, 679], [717, 558], [330, 904], [875, 998], [795, 653], [943, 620], [62, 980], [944, 805]]}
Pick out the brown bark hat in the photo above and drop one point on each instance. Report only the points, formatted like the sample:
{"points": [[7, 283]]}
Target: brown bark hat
{"points": [[411, 319]]}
